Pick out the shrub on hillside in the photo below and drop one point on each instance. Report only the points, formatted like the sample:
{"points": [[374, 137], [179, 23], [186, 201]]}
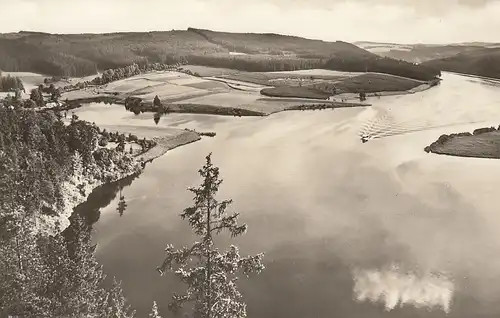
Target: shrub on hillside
{"points": [[103, 142]]}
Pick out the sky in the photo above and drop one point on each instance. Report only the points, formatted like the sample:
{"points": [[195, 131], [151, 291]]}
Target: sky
{"points": [[397, 21]]}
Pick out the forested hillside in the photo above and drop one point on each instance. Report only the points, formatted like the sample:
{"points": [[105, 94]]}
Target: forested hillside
{"points": [[85, 54], [39, 154], [43, 163], [485, 62]]}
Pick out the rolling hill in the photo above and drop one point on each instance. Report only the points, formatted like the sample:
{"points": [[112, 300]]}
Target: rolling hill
{"points": [[418, 53], [85, 54], [484, 62]]}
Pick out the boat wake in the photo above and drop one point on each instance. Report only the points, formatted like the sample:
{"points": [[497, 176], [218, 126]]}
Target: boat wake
{"points": [[387, 123]]}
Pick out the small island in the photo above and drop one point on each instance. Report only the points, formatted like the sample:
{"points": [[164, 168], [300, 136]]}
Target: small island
{"points": [[481, 143]]}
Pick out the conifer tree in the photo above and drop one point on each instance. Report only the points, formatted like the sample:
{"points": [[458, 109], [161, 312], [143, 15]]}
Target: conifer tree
{"points": [[117, 304], [157, 117], [211, 277], [154, 311], [122, 204], [157, 102]]}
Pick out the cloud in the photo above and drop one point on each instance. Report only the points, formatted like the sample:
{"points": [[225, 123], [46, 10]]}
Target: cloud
{"points": [[377, 20], [394, 287]]}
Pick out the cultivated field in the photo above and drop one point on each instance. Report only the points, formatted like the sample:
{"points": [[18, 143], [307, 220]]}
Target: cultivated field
{"points": [[370, 83], [209, 71], [318, 72], [169, 86], [73, 80], [249, 91], [229, 99], [195, 94], [300, 92]]}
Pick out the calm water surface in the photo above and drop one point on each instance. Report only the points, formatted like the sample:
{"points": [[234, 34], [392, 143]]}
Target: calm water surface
{"points": [[348, 229]]}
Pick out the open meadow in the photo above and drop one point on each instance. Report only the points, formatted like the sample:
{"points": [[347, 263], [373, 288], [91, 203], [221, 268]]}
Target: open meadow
{"points": [[202, 89], [241, 90]]}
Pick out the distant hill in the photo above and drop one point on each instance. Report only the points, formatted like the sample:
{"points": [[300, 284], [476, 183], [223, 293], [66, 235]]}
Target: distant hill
{"points": [[85, 54], [484, 62], [417, 53], [280, 45]]}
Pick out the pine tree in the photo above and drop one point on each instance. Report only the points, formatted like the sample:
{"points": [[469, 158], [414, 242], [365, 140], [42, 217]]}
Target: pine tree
{"points": [[122, 204], [77, 168], [212, 278], [154, 311], [37, 96], [117, 304], [157, 102], [55, 95], [157, 117]]}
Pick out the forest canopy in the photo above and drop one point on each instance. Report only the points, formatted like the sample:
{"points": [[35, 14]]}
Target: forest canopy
{"points": [[86, 54]]}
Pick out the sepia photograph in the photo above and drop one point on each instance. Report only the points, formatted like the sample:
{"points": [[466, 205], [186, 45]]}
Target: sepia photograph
{"points": [[260, 159]]}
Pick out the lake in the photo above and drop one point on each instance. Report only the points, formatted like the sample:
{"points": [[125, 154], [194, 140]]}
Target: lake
{"points": [[349, 229]]}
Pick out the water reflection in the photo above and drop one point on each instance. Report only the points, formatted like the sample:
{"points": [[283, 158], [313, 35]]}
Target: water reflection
{"points": [[122, 204], [101, 197]]}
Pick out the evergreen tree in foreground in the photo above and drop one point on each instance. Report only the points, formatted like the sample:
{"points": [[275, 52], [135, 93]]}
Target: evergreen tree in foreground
{"points": [[209, 273], [154, 311]]}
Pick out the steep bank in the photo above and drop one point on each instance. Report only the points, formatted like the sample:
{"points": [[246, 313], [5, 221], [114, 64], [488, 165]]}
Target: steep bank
{"points": [[74, 194], [77, 189]]}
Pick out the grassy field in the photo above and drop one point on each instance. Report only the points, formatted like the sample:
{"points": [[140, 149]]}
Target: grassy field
{"points": [[209, 71], [227, 99], [252, 103], [300, 92], [317, 73], [482, 146], [370, 83], [209, 85], [168, 86], [244, 90], [83, 94], [294, 78], [479, 144], [130, 85], [199, 108]]}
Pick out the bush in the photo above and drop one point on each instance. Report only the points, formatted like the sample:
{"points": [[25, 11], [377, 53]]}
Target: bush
{"points": [[132, 138], [103, 142], [483, 130]]}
